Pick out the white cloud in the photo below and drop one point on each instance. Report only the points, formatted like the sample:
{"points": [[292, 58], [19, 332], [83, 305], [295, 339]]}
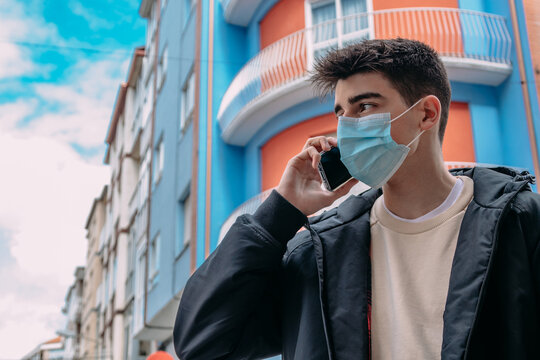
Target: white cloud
{"points": [[14, 61], [17, 29], [12, 113], [50, 196], [84, 104], [94, 22], [46, 191]]}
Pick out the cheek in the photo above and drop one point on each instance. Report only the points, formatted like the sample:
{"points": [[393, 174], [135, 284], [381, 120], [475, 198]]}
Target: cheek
{"points": [[396, 132], [400, 133]]}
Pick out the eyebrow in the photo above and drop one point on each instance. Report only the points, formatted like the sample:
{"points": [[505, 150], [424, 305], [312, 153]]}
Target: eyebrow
{"points": [[356, 98]]}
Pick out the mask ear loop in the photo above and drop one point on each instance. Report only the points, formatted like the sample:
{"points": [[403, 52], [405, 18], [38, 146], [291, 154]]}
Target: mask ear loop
{"points": [[406, 111], [416, 138]]}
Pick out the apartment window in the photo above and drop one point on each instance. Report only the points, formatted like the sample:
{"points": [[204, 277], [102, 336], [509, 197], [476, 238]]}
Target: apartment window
{"points": [[139, 305], [159, 160], [106, 285], [188, 101], [151, 27], [184, 224], [153, 261], [189, 5], [127, 342], [131, 250], [329, 34], [144, 178], [115, 267], [148, 102], [187, 220], [162, 67]]}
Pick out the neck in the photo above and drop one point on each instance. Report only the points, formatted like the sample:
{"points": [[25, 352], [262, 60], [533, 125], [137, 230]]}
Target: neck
{"points": [[418, 187]]}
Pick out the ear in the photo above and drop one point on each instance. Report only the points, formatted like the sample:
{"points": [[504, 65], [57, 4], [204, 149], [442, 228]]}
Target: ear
{"points": [[431, 106]]}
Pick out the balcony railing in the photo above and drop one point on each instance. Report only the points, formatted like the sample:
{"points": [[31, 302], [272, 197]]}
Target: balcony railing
{"points": [[464, 39]]}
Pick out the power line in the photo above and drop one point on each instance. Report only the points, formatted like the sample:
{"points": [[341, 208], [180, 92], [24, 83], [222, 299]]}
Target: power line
{"points": [[120, 52]]}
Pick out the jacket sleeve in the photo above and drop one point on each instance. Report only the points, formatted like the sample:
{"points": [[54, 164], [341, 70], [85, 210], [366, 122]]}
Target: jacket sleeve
{"points": [[230, 307]]}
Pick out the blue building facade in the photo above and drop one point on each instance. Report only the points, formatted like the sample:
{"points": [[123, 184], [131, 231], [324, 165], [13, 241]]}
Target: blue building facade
{"points": [[231, 94]]}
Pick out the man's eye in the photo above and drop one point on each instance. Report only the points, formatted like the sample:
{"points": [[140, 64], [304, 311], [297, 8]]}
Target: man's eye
{"points": [[364, 107]]}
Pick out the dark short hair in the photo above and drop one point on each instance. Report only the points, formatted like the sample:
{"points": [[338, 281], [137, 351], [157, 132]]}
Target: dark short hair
{"points": [[412, 67]]}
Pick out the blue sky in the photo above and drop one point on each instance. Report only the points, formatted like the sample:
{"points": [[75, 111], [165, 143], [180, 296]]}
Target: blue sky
{"points": [[60, 35], [61, 63]]}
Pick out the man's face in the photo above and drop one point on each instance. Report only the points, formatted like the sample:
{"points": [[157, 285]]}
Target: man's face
{"points": [[369, 93]]}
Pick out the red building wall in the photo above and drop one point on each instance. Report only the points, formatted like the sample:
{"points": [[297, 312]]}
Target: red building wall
{"points": [[285, 17]]}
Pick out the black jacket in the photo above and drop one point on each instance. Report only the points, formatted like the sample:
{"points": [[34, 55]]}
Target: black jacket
{"points": [[259, 294]]}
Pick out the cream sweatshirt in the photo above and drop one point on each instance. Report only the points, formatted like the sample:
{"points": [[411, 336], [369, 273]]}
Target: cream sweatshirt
{"points": [[411, 263]]}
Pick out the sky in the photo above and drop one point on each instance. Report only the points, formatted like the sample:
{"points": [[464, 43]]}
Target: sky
{"points": [[61, 63]]}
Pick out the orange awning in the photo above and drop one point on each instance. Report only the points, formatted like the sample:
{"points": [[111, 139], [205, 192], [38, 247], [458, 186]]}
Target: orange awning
{"points": [[160, 355]]}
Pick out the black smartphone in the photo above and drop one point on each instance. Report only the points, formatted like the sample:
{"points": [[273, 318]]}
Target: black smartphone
{"points": [[333, 171]]}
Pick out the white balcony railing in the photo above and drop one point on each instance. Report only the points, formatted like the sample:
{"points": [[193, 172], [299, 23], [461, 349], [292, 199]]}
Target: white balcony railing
{"points": [[474, 46]]}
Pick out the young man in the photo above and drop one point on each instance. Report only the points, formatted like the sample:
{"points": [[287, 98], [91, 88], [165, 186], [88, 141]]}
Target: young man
{"points": [[432, 265]]}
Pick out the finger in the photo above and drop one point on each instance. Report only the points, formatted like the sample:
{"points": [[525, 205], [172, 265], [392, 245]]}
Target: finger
{"points": [[316, 142], [315, 156], [325, 145], [332, 141]]}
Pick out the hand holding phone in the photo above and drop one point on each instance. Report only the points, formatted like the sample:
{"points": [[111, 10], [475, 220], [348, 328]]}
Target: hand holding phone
{"points": [[301, 181], [333, 172]]}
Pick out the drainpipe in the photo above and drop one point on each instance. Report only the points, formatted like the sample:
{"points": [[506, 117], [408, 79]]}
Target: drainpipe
{"points": [[150, 171], [195, 147], [525, 89]]}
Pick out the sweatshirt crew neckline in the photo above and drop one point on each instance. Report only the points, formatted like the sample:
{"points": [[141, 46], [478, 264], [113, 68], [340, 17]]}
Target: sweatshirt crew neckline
{"points": [[405, 227]]}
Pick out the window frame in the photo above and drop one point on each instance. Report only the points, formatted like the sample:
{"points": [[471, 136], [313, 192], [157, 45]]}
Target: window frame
{"points": [[189, 86], [184, 227], [162, 68], [159, 161], [340, 38], [153, 260]]}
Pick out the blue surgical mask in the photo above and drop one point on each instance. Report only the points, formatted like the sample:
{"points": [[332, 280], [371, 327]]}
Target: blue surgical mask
{"points": [[367, 149]]}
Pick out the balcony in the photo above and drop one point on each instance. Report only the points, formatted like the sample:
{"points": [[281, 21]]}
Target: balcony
{"points": [[474, 46], [239, 12]]}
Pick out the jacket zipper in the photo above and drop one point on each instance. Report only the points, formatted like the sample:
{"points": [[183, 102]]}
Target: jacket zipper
{"points": [[488, 271]]}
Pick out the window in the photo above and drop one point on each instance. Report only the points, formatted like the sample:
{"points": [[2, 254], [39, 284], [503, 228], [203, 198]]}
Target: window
{"points": [[184, 224], [329, 34], [139, 302], [144, 179], [188, 101], [159, 159], [162, 68], [148, 102], [187, 220], [106, 286], [153, 261], [115, 267], [151, 27], [127, 342], [131, 250], [189, 5]]}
